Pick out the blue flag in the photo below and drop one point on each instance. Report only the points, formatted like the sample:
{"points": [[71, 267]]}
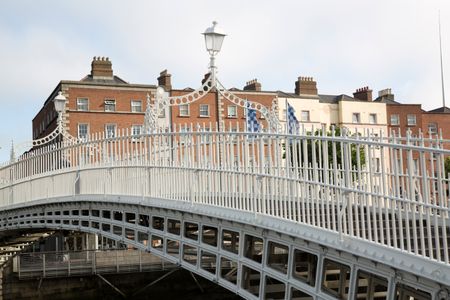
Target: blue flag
{"points": [[252, 121], [291, 120]]}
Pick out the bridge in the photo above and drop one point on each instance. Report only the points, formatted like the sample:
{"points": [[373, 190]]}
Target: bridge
{"points": [[265, 215]]}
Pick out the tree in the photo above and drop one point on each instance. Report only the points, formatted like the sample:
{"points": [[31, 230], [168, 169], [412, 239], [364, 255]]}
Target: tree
{"points": [[447, 166], [312, 145]]}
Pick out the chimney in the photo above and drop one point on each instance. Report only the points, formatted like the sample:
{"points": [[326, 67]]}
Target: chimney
{"points": [[306, 86], [253, 85], [364, 94], [165, 80], [206, 77], [386, 94], [101, 68]]}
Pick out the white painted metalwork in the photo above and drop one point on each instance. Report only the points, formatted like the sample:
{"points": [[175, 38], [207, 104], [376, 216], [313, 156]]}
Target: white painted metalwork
{"points": [[222, 245], [59, 103], [86, 262], [319, 180]]}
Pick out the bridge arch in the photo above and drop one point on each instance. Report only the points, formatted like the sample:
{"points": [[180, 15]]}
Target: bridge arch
{"points": [[237, 253]]}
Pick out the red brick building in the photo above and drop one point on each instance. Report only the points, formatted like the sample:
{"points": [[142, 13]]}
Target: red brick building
{"points": [[100, 102], [213, 109], [437, 121], [411, 117]]}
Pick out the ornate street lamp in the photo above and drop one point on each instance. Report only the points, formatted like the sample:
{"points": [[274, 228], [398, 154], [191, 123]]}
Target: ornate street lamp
{"points": [[60, 102], [214, 37]]}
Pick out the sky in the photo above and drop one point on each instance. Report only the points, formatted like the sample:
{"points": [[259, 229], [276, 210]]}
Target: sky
{"points": [[343, 45]]}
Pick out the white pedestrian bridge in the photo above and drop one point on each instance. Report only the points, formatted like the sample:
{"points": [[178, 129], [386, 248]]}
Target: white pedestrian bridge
{"points": [[266, 215]]}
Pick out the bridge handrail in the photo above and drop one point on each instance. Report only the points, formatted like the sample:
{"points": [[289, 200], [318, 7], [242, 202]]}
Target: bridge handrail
{"points": [[381, 189]]}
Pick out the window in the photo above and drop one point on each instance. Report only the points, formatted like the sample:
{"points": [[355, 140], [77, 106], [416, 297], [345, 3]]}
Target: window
{"points": [[356, 118], [184, 110], [136, 105], [110, 105], [305, 116], [395, 120], [110, 130], [373, 118], [136, 130], [432, 128], [82, 104], [411, 120], [232, 111], [204, 110], [83, 131]]}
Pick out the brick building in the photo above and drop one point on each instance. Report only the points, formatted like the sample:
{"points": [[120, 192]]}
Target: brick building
{"points": [[213, 109], [411, 117], [437, 121], [100, 102]]}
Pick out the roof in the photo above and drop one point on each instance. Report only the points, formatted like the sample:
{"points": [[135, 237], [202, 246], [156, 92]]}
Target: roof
{"points": [[321, 98], [115, 79], [443, 109], [386, 100]]}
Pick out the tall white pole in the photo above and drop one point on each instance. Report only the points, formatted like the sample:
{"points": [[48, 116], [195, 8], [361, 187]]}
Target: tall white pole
{"points": [[286, 114], [442, 68]]}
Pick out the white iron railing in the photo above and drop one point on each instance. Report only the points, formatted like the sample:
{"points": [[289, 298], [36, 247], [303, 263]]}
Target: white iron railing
{"points": [[386, 190], [86, 262]]}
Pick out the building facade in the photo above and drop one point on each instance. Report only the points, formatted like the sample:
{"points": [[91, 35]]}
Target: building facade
{"points": [[100, 103], [315, 111]]}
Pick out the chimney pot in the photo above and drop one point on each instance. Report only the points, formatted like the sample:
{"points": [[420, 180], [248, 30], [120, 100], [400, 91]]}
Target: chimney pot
{"points": [[305, 86], [101, 68], [364, 94], [165, 80], [386, 93], [253, 85]]}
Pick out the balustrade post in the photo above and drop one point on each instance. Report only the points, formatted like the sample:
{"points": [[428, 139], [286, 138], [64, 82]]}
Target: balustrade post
{"points": [[94, 262], [140, 261], [43, 265], [68, 263], [18, 264], [117, 260]]}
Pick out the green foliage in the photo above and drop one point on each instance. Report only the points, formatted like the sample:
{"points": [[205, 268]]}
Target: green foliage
{"points": [[447, 166], [317, 147]]}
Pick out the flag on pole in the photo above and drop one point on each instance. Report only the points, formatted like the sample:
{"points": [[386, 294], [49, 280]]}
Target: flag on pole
{"points": [[252, 121], [291, 119]]}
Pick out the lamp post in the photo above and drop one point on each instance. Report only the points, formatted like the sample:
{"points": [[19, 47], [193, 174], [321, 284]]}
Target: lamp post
{"points": [[214, 37], [60, 102]]}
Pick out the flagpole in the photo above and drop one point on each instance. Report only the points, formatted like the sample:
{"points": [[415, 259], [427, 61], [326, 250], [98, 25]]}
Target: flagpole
{"points": [[442, 68], [286, 115], [246, 115]]}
